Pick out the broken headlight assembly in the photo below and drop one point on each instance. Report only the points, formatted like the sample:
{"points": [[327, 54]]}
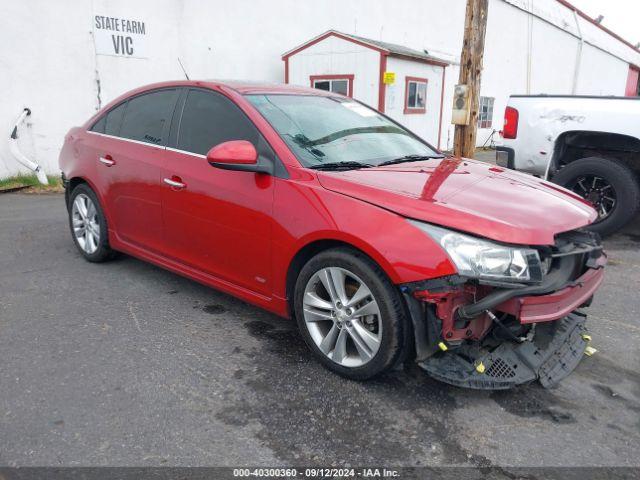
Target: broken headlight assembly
{"points": [[484, 260]]}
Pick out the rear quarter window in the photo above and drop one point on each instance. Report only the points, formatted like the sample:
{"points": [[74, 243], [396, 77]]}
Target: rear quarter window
{"points": [[114, 120], [98, 127], [110, 122]]}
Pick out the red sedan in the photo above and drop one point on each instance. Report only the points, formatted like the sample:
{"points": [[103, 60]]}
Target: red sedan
{"points": [[316, 207]]}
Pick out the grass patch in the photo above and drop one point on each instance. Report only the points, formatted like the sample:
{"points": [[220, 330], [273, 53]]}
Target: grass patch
{"points": [[32, 182]]}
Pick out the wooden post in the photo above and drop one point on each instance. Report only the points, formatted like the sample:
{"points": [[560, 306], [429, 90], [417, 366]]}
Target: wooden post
{"points": [[475, 27]]}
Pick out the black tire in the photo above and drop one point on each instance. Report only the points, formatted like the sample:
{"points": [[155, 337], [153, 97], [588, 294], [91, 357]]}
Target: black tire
{"points": [[395, 326], [622, 179], [103, 251]]}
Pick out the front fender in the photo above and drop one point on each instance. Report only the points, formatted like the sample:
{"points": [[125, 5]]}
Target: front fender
{"points": [[306, 212]]}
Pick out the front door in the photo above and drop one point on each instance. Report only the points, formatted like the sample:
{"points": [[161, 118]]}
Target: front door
{"points": [[217, 221]]}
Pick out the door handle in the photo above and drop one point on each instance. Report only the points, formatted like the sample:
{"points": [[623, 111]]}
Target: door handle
{"points": [[175, 182], [107, 160]]}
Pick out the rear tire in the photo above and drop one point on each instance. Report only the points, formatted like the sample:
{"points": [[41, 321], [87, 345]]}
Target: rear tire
{"points": [[89, 225], [371, 315], [623, 183]]}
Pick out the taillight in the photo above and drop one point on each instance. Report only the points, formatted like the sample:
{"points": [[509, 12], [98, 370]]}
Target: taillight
{"points": [[510, 129]]}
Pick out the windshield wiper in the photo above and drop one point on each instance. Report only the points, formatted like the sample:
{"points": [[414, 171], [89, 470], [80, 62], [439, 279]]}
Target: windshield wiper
{"points": [[409, 158], [340, 166]]}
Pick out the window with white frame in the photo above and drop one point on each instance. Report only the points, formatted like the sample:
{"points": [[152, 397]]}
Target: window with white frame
{"points": [[415, 95], [485, 114], [334, 83]]}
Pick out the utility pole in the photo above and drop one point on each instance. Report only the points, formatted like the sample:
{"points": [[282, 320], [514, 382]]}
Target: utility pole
{"points": [[475, 27]]}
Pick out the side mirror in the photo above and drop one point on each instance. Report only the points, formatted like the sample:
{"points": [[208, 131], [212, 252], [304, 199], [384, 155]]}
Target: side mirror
{"points": [[238, 155]]}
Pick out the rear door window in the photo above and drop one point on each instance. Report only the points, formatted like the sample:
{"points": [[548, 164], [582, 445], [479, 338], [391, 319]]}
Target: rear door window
{"points": [[208, 119], [147, 117]]}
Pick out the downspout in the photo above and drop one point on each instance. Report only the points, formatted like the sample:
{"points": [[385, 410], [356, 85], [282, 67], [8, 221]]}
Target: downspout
{"points": [[286, 69], [95, 63], [444, 70], [19, 156], [382, 90], [529, 47], [576, 72]]}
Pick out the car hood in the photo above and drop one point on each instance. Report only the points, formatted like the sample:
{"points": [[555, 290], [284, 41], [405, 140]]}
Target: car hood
{"points": [[469, 196]]}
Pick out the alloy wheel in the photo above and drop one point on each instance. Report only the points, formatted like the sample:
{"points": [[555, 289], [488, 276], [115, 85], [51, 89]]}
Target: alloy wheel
{"points": [[86, 227], [342, 316], [598, 191]]}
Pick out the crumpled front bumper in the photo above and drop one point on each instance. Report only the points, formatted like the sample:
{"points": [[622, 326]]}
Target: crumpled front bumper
{"points": [[461, 336], [554, 352], [545, 308]]}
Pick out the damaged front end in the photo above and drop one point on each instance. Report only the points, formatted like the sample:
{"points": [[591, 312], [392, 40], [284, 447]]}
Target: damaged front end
{"points": [[484, 334]]}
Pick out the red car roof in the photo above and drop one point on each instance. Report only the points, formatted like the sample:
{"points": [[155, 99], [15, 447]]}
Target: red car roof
{"points": [[259, 87], [243, 87]]}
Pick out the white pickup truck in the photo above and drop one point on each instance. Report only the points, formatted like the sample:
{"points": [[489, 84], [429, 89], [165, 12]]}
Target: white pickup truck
{"points": [[590, 145]]}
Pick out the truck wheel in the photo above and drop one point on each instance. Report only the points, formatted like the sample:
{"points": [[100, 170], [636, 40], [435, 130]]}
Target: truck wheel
{"points": [[609, 185]]}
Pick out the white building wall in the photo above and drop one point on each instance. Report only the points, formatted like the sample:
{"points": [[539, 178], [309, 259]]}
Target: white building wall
{"points": [[551, 49], [35, 68], [48, 61], [554, 13], [48, 64], [337, 56], [532, 47], [423, 124], [601, 73]]}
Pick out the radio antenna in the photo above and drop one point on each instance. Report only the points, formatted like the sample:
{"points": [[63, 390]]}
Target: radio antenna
{"points": [[183, 70]]}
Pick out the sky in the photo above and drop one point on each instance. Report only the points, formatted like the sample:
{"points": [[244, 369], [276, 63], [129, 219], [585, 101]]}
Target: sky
{"points": [[621, 16]]}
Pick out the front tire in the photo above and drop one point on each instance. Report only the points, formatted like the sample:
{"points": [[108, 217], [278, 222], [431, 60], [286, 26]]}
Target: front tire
{"points": [[89, 225], [609, 185], [349, 314]]}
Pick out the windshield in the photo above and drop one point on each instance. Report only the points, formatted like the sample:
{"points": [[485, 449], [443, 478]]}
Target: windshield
{"points": [[329, 130]]}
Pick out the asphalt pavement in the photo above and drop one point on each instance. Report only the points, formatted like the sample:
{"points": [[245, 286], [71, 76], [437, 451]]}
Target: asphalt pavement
{"points": [[124, 364]]}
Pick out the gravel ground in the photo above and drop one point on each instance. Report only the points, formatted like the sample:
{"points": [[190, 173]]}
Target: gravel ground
{"points": [[126, 364]]}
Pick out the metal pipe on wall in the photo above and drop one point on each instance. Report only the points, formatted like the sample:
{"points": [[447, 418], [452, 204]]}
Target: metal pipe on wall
{"points": [[529, 46], [576, 71], [19, 156]]}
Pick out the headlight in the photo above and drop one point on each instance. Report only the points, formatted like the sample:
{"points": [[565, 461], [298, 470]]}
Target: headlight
{"points": [[482, 259]]}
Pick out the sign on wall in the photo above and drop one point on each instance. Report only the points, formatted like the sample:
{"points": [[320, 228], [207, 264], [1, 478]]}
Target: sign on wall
{"points": [[120, 37], [389, 78]]}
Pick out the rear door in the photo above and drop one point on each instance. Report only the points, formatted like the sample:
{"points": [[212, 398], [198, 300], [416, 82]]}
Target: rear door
{"points": [[217, 221], [130, 163]]}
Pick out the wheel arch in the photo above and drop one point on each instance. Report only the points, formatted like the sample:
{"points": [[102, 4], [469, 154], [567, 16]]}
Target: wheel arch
{"points": [[313, 247], [574, 145], [73, 182]]}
